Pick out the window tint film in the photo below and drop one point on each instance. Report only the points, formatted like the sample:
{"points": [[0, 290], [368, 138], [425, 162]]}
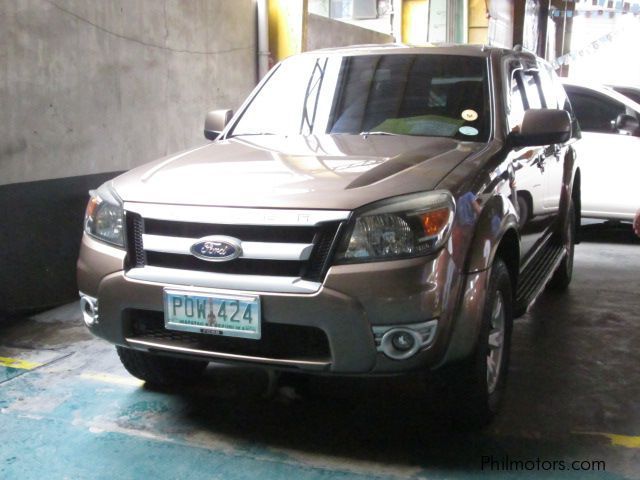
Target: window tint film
{"points": [[561, 94], [531, 88], [515, 102], [425, 95], [549, 90], [632, 93]]}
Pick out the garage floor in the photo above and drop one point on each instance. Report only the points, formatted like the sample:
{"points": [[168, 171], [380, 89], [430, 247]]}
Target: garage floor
{"points": [[69, 410]]}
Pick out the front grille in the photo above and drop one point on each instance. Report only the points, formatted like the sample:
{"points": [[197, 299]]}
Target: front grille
{"points": [[322, 237], [240, 266], [247, 233], [324, 244], [135, 229], [278, 341]]}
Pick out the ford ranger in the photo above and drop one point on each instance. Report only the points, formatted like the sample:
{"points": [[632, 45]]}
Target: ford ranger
{"points": [[373, 210]]}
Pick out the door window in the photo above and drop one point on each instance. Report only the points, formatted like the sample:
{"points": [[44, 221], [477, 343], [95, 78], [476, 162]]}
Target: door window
{"points": [[550, 91], [515, 101], [554, 93], [525, 93], [594, 113], [532, 89]]}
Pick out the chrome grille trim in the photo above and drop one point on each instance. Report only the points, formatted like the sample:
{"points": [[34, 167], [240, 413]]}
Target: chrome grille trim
{"points": [[253, 250], [236, 216], [253, 283]]}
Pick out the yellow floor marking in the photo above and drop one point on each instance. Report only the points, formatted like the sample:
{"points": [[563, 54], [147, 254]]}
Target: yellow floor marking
{"points": [[17, 363], [627, 441], [116, 379]]}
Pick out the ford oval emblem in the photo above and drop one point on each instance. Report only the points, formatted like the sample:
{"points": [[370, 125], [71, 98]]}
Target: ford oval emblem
{"points": [[217, 248]]}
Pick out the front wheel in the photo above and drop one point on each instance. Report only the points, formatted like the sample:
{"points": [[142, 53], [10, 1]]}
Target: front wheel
{"points": [[471, 390]]}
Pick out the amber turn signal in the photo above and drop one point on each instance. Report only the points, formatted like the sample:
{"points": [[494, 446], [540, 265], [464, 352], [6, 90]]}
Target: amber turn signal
{"points": [[91, 207], [434, 221]]}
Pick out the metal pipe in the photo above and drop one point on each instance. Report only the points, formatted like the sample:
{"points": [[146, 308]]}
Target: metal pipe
{"points": [[263, 38]]}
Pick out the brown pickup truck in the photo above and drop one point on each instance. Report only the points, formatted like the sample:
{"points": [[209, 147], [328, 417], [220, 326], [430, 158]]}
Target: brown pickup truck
{"points": [[368, 211]]}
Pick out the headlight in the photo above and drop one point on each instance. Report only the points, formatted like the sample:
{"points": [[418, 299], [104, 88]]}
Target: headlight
{"points": [[104, 218], [401, 227]]}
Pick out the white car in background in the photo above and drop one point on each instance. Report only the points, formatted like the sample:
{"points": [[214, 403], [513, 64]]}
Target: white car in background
{"points": [[609, 152]]}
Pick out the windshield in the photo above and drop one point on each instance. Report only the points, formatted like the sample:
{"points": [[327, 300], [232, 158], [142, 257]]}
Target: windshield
{"points": [[404, 94]]}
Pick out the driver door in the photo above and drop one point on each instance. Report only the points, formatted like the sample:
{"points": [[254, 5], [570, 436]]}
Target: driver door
{"points": [[534, 166]]}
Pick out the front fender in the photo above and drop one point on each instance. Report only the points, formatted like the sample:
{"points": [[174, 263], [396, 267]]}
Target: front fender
{"points": [[496, 218], [567, 193]]}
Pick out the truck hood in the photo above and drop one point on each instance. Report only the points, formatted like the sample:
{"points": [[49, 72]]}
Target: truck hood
{"points": [[327, 172]]}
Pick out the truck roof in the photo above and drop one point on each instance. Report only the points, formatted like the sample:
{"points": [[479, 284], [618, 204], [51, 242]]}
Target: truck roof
{"points": [[401, 48]]}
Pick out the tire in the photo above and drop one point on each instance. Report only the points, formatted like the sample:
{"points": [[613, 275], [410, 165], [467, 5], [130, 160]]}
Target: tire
{"points": [[467, 392], [563, 274], [159, 370], [524, 211]]}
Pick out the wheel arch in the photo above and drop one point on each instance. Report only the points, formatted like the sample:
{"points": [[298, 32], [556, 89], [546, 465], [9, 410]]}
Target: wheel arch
{"points": [[497, 223], [496, 235], [509, 251]]}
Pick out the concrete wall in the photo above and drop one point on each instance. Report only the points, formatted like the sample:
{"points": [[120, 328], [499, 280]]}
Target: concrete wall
{"points": [[323, 32], [89, 86], [287, 28]]}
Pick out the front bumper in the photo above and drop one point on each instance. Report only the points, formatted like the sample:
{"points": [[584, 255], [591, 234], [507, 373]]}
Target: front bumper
{"points": [[355, 304]]}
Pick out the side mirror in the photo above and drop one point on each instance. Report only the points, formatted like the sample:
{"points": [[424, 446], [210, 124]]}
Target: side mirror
{"points": [[542, 126], [215, 121], [627, 123]]}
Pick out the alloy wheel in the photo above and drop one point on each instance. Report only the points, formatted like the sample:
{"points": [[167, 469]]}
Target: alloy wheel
{"points": [[495, 343]]}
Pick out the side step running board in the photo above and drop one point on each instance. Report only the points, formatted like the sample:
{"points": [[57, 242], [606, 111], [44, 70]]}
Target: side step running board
{"points": [[536, 274]]}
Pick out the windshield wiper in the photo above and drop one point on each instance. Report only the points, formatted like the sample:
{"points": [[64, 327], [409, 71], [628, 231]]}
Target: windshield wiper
{"points": [[366, 134], [251, 134]]}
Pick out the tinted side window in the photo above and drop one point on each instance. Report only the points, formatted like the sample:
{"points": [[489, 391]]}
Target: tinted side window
{"points": [[555, 95], [550, 91], [524, 93], [515, 100], [530, 80], [633, 94], [594, 114]]}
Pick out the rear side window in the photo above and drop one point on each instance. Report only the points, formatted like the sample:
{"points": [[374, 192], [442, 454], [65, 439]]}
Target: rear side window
{"points": [[594, 113]]}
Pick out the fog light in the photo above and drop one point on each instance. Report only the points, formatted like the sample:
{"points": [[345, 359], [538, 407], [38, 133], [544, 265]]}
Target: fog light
{"points": [[89, 309], [403, 341]]}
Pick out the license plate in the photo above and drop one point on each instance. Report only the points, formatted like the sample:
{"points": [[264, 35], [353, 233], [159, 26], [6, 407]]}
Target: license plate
{"points": [[213, 314]]}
